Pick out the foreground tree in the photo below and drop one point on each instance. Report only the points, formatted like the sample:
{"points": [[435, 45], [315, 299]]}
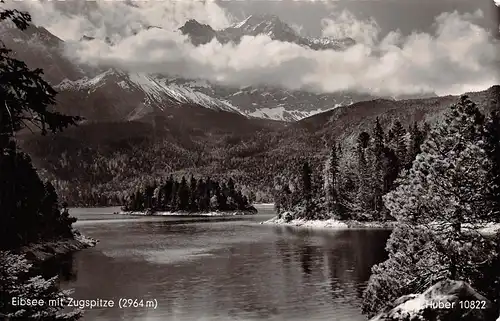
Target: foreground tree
{"points": [[441, 205], [30, 210], [17, 281], [492, 147]]}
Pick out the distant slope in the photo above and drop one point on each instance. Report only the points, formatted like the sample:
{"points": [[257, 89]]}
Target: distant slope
{"points": [[271, 102], [114, 95], [344, 122], [112, 157]]}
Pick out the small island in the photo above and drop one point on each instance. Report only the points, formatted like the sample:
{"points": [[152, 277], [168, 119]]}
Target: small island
{"points": [[172, 197]]}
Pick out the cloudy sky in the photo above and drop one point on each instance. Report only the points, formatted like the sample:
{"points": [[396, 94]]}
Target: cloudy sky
{"points": [[404, 46]]}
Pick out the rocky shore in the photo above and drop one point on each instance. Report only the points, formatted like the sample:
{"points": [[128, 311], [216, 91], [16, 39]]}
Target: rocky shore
{"points": [[41, 252]]}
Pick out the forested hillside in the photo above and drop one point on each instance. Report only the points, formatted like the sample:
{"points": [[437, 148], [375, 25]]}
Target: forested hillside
{"points": [[350, 181], [100, 163]]}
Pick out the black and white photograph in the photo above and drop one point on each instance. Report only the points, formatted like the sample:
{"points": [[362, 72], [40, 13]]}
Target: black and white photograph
{"points": [[250, 160]]}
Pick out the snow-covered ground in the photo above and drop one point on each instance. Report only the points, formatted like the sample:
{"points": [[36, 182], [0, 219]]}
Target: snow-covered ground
{"points": [[486, 229], [187, 214], [85, 240], [328, 224], [490, 228], [447, 293]]}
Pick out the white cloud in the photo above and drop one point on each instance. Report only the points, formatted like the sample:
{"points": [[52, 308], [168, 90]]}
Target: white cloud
{"points": [[345, 24], [459, 56], [121, 18]]}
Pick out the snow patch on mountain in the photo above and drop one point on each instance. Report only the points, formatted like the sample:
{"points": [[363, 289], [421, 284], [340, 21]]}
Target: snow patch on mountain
{"points": [[148, 84], [242, 23], [91, 84], [155, 89], [283, 114]]}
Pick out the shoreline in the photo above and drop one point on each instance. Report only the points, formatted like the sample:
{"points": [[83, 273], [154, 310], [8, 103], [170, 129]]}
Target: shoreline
{"points": [[330, 224], [187, 214], [118, 206], [41, 252], [489, 229]]}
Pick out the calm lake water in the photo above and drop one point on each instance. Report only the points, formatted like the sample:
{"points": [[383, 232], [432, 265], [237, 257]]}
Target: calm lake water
{"points": [[212, 269]]}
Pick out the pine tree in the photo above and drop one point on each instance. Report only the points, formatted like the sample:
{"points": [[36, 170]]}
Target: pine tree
{"points": [[306, 181], [193, 202], [202, 202], [222, 197], [399, 143], [331, 180], [16, 281], [492, 147], [307, 187], [232, 196], [26, 204], [148, 195], [174, 201], [283, 200], [168, 193], [139, 203], [215, 196], [157, 196], [389, 137], [59, 223], [183, 200], [440, 205], [390, 169], [231, 187], [364, 193], [416, 139], [378, 166], [25, 96]]}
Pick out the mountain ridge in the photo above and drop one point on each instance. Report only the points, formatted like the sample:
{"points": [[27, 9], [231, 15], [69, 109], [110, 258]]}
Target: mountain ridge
{"points": [[254, 25], [95, 94]]}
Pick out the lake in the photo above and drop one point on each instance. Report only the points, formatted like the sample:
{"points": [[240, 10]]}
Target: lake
{"points": [[221, 269]]}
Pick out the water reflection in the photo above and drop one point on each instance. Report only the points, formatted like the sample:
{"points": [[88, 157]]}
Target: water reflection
{"points": [[62, 266], [227, 271], [305, 259]]}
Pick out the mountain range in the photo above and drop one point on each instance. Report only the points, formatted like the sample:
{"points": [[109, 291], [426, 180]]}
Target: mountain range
{"points": [[107, 158], [144, 126], [112, 94], [254, 25]]}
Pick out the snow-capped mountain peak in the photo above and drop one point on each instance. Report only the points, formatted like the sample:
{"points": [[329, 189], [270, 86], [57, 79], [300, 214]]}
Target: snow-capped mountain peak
{"points": [[270, 25], [267, 24], [112, 94], [147, 91]]}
